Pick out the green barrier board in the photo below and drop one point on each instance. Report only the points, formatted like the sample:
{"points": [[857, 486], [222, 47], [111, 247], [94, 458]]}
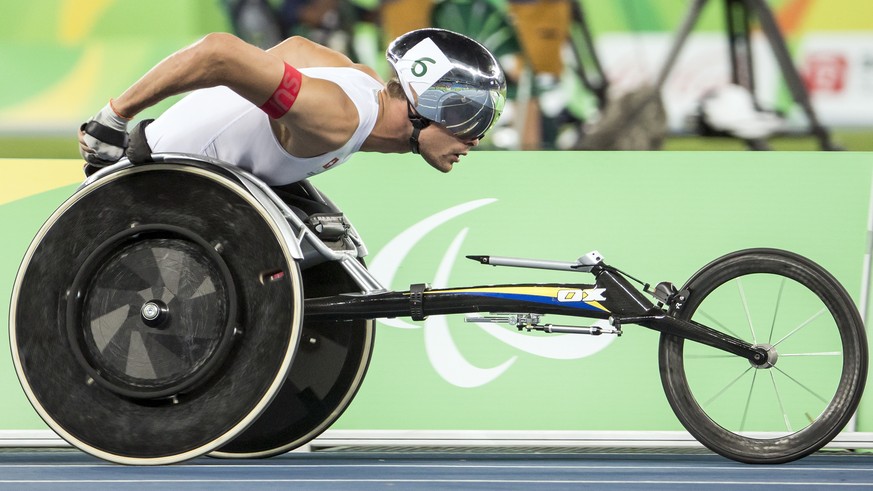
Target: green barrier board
{"points": [[657, 216]]}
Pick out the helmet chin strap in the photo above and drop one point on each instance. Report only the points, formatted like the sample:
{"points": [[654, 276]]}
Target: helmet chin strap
{"points": [[418, 124]]}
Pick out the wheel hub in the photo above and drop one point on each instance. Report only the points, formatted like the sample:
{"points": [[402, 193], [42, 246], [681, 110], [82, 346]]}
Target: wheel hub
{"points": [[154, 313], [766, 357]]}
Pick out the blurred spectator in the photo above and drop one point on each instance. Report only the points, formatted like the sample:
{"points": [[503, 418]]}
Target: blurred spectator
{"points": [[401, 16], [542, 27], [265, 23]]}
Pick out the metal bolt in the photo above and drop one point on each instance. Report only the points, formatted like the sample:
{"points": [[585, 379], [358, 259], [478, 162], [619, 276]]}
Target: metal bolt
{"points": [[150, 311]]}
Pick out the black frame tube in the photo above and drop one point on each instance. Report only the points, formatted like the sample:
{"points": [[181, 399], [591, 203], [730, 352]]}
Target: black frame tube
{"points": [[437, 302], [622, 303]]}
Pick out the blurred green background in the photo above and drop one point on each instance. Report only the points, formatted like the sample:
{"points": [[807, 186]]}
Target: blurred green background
{"points": [[62, 59]]}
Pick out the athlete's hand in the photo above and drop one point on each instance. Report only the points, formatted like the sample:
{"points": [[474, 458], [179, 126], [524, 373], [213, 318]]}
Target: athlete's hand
{"points": [[103, 139]]}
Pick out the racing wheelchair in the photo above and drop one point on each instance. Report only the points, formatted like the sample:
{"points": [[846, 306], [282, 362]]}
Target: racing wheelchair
{"points": [[182, 307]]}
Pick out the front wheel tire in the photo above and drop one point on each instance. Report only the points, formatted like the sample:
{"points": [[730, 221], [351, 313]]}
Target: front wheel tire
{"points": [[786, 409]]}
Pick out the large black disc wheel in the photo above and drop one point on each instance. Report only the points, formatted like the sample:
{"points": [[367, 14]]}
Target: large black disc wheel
{"points": [[156, 314], [327, 372], [810, 386]]}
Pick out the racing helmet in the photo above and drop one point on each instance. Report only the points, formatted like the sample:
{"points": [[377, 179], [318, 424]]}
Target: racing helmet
{"points": [[448, 79]]}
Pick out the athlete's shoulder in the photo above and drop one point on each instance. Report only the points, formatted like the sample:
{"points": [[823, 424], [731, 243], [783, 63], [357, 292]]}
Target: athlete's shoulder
{"points": [[369, 71]]}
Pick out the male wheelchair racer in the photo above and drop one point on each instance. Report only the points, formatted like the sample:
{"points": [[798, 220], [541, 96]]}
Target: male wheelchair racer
{"points": [[182, 307]]}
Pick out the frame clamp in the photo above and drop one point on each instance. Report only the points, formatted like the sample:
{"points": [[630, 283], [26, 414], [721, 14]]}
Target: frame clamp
{"points": [[416, 301]]}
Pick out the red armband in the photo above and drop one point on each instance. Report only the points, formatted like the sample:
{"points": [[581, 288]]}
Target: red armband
{"points": [[286, 93]]}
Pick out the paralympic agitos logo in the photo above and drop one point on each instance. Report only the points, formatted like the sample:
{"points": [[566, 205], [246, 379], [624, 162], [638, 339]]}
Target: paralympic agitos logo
{"points": [[442, 350]]}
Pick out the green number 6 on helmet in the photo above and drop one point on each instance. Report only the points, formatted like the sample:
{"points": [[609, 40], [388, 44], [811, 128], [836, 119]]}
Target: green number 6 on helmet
{"points": [[448, 79]]}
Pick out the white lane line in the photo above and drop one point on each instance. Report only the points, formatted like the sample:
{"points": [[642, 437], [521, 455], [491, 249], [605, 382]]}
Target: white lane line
{"points": [[728, 467], [430, 481]]}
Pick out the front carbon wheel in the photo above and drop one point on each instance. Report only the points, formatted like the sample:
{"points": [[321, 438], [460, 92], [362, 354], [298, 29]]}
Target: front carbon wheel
{"points": [[808, 390]]}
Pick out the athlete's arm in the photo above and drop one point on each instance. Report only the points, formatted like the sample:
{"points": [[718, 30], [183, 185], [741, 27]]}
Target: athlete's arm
{"points": [[303, 53], [217, 59], [221, 59]]}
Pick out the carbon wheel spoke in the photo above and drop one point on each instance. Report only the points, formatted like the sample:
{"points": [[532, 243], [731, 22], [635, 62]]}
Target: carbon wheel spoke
{"points": [[726, 387], [781, 406], [803, 386], [801, 326], [776, 310], [748, 400], [819, 353], [746, 310]]}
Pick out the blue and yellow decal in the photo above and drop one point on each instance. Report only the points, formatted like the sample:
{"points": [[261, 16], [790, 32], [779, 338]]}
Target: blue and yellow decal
{"points": [[586, 299]]}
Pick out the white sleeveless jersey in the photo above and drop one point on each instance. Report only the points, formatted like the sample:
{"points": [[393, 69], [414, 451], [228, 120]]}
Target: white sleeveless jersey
{"points": [[218, 123]]}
